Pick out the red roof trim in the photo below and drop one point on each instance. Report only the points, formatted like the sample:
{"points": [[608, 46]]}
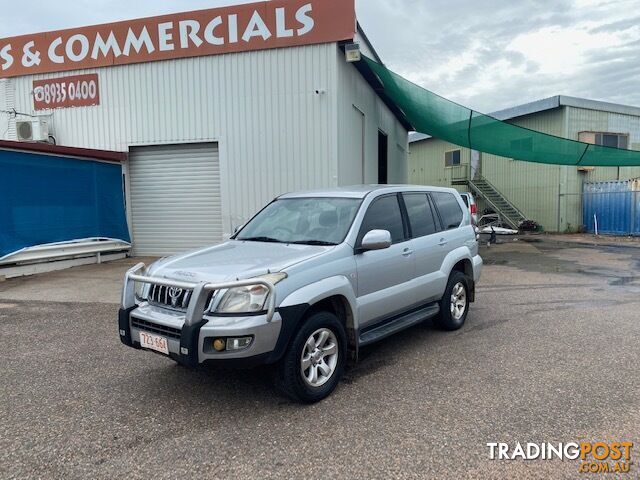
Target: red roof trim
{"points": [[108, 155]]}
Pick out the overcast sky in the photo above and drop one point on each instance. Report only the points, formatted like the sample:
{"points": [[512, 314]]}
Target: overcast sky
{"points": [[487, 54]]}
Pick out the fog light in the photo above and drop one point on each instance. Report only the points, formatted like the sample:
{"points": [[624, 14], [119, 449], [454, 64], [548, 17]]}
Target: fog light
{"points": [[123, 333], [238, 343], [219, 344]]}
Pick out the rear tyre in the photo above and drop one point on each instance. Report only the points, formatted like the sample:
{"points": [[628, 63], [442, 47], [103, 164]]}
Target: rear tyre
{"points": [[315, 361], [454, 305]]}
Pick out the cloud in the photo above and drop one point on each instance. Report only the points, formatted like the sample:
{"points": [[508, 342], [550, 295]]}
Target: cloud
{"points": [[618, 26], [496, 54], [31, 17]]}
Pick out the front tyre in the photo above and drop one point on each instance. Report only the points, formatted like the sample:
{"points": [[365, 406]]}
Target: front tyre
{"points": [[315, 360], [454, 305]]}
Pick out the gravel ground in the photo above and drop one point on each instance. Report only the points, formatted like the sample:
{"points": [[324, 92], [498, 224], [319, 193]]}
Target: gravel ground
{"points": [[549, 353]]}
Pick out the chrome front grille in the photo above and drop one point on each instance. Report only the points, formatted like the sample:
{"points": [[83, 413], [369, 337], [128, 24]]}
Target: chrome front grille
{"points": [[172, 297]]}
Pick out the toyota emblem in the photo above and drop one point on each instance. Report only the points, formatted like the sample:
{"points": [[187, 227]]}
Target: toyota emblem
{"points": [[174, 294]]}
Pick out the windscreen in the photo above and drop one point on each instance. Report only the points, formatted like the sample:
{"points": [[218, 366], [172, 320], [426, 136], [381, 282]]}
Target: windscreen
{"points": [[311, 221]]}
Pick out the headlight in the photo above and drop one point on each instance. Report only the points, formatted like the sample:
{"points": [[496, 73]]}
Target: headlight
{"points": [[250, 299]]}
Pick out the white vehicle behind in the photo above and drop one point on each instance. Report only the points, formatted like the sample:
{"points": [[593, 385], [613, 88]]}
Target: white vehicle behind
{"points": [[471, 204]]}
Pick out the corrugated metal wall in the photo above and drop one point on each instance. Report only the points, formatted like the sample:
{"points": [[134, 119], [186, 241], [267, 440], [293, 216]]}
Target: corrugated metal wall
{"points": [[273, 129], [357, 102], [531, 187], [583, 120], [549, 194], [7, 123], [4, 117], [275, 133], [426, 162]]}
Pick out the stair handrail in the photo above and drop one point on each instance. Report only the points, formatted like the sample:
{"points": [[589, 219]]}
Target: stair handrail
{"points": [[477, 191], [480, 177]]}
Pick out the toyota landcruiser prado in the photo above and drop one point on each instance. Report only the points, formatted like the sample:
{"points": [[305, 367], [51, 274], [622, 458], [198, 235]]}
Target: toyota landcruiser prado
{"points": [[309, 280]]}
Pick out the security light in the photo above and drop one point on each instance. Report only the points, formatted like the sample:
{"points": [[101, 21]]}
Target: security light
{"points": [[352, 52]]}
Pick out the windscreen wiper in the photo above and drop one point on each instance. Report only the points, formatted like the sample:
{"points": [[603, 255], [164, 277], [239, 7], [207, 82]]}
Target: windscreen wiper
{"points": [[259, 239], [321, 243]]}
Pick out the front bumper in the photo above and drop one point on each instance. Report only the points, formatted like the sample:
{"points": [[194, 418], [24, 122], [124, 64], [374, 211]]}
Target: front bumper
{"points": [[193, 344], [190, 334]]}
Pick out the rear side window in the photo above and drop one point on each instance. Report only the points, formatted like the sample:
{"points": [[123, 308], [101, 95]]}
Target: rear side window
{"points": [[449, 209], [384, 214], [465, 199], [420, 215]]}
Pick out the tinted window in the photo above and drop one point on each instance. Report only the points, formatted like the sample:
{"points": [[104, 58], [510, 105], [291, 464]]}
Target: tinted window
{"points": [[449, 209], [420, 214], [384, 214]]}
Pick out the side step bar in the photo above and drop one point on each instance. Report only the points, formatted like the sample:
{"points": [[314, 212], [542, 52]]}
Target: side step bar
{"points": [[397, 324]]}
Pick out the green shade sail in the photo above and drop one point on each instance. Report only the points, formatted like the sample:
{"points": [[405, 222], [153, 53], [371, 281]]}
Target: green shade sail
{"points": [[433, 115]]}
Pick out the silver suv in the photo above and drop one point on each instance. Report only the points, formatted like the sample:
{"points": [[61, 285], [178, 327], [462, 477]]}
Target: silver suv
{"points": [[308, 281]]}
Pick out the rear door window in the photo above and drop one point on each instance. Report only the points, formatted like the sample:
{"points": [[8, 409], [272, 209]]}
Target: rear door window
{"points": [[421, 217], [384, 214], [449, 209]]}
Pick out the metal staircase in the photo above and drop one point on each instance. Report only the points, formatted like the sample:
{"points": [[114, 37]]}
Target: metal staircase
{"points": [[507, 211]]}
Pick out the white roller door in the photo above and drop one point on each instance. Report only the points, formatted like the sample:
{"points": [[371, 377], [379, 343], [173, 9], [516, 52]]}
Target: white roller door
{"points": [[175, 198]]}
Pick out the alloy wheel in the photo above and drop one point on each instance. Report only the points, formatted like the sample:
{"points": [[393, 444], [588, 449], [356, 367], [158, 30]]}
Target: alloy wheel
{"points": [[458, 301], [319, 357]]}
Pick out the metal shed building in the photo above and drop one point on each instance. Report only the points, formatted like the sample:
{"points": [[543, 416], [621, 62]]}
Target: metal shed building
{"points": [[219, 110], [552, 195]]}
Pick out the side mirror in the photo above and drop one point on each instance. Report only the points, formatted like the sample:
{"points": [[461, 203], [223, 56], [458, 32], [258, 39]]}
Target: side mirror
{"points": [[376, 240]]}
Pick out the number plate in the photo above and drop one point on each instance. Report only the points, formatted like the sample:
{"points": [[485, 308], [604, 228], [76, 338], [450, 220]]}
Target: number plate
{"points": [[154, 342]]}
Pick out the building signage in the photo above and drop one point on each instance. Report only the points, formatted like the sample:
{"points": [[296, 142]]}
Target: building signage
{"points": [[64, 92], [253, 26]]}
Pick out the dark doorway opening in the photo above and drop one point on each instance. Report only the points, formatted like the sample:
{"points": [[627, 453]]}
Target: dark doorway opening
{"points": [[383, 149]]}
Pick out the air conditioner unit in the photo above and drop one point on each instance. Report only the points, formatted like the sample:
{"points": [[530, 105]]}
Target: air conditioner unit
{"points": [[32, 131]]}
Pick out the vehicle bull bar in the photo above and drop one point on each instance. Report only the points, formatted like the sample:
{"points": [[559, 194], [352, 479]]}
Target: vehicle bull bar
{"points": [[199, 298]]}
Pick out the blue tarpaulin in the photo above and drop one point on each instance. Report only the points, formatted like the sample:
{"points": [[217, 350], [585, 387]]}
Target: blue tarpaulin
{"points": [[46, 199]]}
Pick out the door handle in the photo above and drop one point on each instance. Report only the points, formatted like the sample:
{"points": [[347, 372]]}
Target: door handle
{"points": [[407, 252], [442, 242]]}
